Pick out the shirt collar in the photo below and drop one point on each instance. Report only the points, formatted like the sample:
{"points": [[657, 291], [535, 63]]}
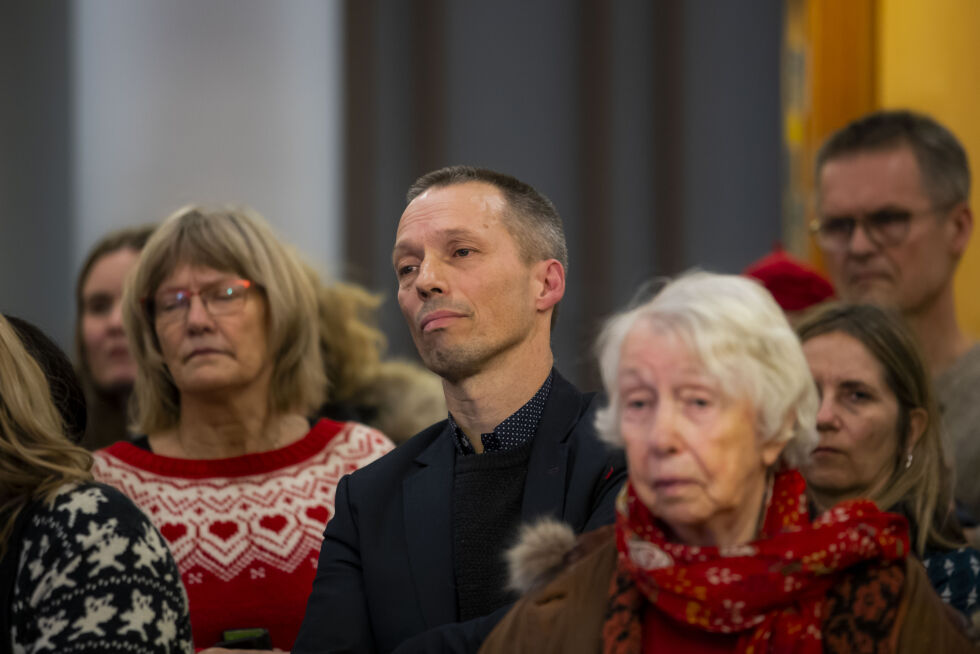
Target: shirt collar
{"points": [[516, 430]]}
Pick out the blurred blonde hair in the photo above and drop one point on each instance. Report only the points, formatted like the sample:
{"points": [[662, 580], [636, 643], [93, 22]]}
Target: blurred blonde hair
{"points": [[36, 457], [236, 240], [402, 397], [350, 343]]}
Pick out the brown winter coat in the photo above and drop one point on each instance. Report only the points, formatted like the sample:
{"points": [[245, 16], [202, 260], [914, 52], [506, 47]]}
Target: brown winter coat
{"points": [[566, 613]]}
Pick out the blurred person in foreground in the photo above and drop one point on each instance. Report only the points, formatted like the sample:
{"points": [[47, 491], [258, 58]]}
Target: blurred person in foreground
{"points": [[413, 558], [880, 438], [714, 549], [103, 360], [222, 320], [81, 568], [894, 220]]}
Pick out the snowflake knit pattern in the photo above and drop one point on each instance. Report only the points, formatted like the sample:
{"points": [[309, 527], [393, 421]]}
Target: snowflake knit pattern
{"points": [[95, 576], [245, 531]]}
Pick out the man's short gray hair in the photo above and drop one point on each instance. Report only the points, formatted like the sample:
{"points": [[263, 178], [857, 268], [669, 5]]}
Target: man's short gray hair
{"points": [[942, 160], [733, 325]]}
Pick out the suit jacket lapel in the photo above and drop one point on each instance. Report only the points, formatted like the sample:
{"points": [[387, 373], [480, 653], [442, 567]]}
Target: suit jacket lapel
{"points": [[544, 490], [427, 497]]}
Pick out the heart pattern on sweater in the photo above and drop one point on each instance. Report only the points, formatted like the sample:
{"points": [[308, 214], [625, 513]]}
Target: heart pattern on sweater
{"points": [[273, 523], [173, 531], [223, 529], [318, 513], [225, 526]]}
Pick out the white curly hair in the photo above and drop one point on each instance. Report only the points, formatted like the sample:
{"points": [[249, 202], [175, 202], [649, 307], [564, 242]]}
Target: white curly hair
{"points": [[733, 325]]}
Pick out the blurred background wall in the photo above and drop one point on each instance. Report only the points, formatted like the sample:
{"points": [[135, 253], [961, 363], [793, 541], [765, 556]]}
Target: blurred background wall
{"points": [[654, 127], [116, 113], [669, 133]]}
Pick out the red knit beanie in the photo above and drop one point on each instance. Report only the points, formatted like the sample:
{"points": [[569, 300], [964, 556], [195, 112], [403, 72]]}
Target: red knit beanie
{"points": [[794, 284]]}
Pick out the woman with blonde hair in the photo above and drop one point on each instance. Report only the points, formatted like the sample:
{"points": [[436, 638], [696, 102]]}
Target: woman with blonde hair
{"points": [[81, 568], [880, 437], [222, 319], [714, 548]]}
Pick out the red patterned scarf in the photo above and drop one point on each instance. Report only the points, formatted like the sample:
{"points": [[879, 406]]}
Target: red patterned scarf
{"points": [[770, 591]]}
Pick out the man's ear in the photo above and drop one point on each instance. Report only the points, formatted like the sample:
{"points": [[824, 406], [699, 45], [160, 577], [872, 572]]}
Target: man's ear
{"points": [[550, 275], [960, 226]]}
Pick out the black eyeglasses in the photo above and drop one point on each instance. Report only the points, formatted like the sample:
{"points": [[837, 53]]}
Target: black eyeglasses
{"points": [[885, 227]]}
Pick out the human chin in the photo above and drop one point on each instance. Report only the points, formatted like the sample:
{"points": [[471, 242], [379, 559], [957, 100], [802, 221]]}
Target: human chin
{"points": [[682, 515], [669, 502], [116, 376], [878, 289], [827, 476], [451, 362], [204, 371]]}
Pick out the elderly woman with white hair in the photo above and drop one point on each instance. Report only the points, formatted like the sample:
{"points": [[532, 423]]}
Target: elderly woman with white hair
{"points": [[714, 548]]}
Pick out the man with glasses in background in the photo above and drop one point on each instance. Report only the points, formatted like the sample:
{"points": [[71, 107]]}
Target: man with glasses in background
{"points": [[893, 220]]}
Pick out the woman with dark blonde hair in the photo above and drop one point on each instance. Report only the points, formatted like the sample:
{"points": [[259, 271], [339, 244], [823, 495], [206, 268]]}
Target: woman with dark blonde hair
{"points": [[880, 437], [103, 361], [81, 568], [222, 320]]}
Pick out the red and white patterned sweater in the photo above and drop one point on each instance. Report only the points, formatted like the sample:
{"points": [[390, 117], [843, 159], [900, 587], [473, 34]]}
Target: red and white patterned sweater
{"points": [[245, 531]]}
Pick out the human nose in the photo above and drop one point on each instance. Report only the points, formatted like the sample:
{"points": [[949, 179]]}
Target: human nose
{"points": [[827, 413], [861, 242], [664, 436], [198, 315], [115, 316], [431, 278]]}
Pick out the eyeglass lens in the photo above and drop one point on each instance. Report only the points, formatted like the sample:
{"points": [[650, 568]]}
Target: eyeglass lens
{"points": [[884, 227], [219, 299]]}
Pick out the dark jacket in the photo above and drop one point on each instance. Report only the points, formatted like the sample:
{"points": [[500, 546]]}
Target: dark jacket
{"points": [[385, 573]]}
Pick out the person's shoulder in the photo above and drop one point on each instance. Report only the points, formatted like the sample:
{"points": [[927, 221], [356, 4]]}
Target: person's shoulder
{"points": [[566, 399], [968, 365], [965, 370], [583, 430], [364, 441], [549, 550], [955, 576], [77, 505], [972, 356], [91, 554], [930, 624], [402, 458], [564, 581], [97, 523]]}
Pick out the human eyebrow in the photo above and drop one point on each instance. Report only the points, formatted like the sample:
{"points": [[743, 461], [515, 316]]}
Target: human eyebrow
{"points": [[400, 250], [851, 385], [98, 301], [459, 233]]}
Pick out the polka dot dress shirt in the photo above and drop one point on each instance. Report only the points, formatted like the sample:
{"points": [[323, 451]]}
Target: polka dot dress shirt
{"points": [[514, 431]]}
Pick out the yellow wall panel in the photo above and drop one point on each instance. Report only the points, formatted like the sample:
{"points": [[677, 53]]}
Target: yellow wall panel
{"points": [[828, 80], [929, 59]]}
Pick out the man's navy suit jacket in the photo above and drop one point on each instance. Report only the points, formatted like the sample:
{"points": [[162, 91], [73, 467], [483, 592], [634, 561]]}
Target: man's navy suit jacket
{"points": [[385, 572]]}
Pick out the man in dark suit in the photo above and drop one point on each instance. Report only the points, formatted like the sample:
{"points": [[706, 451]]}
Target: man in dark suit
{"points": [[413, 557]]}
